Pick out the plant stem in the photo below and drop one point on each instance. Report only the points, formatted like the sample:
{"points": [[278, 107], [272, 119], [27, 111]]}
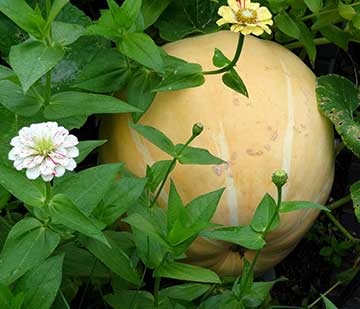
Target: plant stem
{"points": [[47, 93], [339, 147], [156, 291], [64, 299], [340, 202], [341, 228], [233, 62], [318, 41], [171, 166], [324, 12], [327, 292], [267, 228]]}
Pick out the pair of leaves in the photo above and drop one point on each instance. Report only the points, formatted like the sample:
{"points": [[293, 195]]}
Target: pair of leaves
{"points": [[187, 155], [28, 244]]}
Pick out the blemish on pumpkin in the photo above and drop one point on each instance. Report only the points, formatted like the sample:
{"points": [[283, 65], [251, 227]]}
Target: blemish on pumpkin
{"points": [[236, 101], [218, 170], [252, 152], [233, 156], [267, 147]]}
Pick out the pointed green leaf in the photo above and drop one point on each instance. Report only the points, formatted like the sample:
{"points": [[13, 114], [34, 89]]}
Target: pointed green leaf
{"points": [[264, 214], [33, 59], [156, 137], [114, 258], [88, 187], [219, 59], [191, 155], [41, 284], [233, 81], [25, 249], [287, 25], [126, 15], [86, 147], [296, 205], [157, 173], [65, 33], [151, 10], [243, 236], [314, 5], [336, 35], [32, 192], [328, 304], [63, 211], [71, 103], [142, 49], [180, 271], [56, 7], [187, 291], [346, 11]]}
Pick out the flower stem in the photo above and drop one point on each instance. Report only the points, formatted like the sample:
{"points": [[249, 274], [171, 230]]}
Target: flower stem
{"points": [[233, 62], [318, 41], [156, 291], [47, 92], [171, 166], [327, 292], [340, 202], [341, 228], [325, 12], [267, 228]]}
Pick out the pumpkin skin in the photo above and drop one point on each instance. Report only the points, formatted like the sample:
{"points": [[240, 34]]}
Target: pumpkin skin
{"points": [[277, 127]]}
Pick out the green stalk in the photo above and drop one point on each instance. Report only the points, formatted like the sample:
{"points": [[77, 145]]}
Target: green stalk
{"points": [[318, 41], [47, 92], [340, 202], [233, 62], [253, 262], [172, 165], [156, 291], [324, 12], [327, 292], [341, 228]]}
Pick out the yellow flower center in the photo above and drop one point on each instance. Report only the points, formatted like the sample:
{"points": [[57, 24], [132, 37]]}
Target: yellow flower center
{"points": [[44, 146], [247, 16]]}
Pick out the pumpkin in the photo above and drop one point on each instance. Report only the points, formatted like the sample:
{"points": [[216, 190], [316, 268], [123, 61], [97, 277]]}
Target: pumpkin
{"points": [[277, 127]]}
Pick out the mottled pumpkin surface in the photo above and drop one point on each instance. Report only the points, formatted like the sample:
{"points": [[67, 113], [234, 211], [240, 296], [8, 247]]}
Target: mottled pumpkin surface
{"points": [[277, 127]]}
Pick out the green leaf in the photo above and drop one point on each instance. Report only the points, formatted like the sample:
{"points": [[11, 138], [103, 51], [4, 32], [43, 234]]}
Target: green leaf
{"points": [[13, 98], [264, 213], [28, 244], [233, 81], [65, 34], [41, 284], [356, 21], [119, 198], [32, 59], [219, 59], [337, 100], [336, 35], [176, 211], [32, 192], [140, 90], [156, 137], [187, 291], [6, 73], [199, 212], [182, 18], [296, 205], [314, 5], [142, 223], [287, 25], [107, 72], [243, 236], [346, 11], [180, 271], [114, 258], [86, 147], [63, 211], [307, 38], [71, 103], [87, 188], [55, 9], [355, 196], [151, 10], [179, 74], [156, 173], [328, 303], [246, 280], [191, 155], [23, 15], [142, 49], [126, 15]]}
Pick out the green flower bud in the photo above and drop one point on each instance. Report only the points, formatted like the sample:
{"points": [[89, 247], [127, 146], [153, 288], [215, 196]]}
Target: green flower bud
{"points": [[279, 178], [197, 129]]}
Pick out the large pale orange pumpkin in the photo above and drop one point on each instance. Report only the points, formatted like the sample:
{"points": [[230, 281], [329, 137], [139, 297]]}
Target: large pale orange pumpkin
{"points": [[277, 127]]}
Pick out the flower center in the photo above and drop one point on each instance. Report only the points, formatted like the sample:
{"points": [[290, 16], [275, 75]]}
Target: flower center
{"points": [[44, 146], [247, 16]]}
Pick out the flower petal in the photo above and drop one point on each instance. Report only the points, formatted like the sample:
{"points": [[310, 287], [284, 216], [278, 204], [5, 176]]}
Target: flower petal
{"points": [[234, 5], [47, 177], [33, 173], [236, 28], [228, 14], [263, 13], [71, 165]]}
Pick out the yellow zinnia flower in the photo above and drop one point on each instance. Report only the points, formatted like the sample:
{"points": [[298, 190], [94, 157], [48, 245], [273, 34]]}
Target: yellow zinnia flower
{"points": [[246, 17]]}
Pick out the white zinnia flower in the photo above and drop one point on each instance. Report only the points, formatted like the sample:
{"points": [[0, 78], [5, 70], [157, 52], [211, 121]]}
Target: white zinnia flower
{"points": [[44, 149]]}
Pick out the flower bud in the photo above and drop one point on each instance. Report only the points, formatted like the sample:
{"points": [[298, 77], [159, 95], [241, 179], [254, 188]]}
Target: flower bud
{"points": [[279, 178], [197, 129]]}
